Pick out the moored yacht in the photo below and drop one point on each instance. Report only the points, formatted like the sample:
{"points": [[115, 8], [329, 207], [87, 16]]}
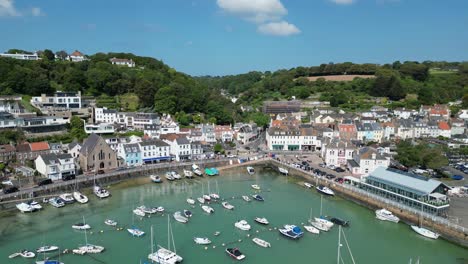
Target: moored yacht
{"points": [[165, 256], [283, 170], [79, 197], [325, 190], [139, 212], [319, 225], [261, 220], [25, 208], [155, 178], [385, 215], [191, 201], [176, 175], [258, 197], [169, 176], [44, 249], [188, 174], [255, 186], [425, 232], [134, 231], [261, 242], [324, 221], [67, 198], [312, 229], [110, 222], [179, 217], [291, 231], [201, 200], [235, 253], [100, 192], [246, 198], [242, 225], [202, 240], [187, 213], [81, 226], [227, 205]]}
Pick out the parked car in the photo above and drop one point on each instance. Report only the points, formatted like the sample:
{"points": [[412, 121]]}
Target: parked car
{"points": [[68, 177], [10, 190], [331, 166], [330, 176], [339, 180], [44, 182], [323, 165], [338, 169]]}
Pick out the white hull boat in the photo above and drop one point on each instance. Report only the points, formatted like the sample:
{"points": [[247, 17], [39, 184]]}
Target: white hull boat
{"points": [[78, 251], [165, 256], [283, 170], [101, 192], [308, 185], [91, 249], [208, 209], [56, 202], [179, 217], [176, 175], [325, 190], [312, 229], [242, 225], [191, 201], [27, 254], [160, 209], [139, 212], [110, 222], [255, 187], [169, 176], [201, 200], [201, 240], [25, 208], [385, 215], [320, 226], [215, 196], [79, 197], [35, 205], [67, 198], [425, 232], [155, 178], [246, 198], [207, 197], [235, 253], [81, 226], [324, 221], [250, 170], [261, 242], [188, 174], [44, 249], [227, 205], [148, 210], [135, 232], [187, 213], [261, 220]]}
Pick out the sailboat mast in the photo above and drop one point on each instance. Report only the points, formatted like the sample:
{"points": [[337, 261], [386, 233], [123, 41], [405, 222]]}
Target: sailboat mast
{"points": [[339, 245], [321, 198], [168, 234], [152, 250], [85, 233]]}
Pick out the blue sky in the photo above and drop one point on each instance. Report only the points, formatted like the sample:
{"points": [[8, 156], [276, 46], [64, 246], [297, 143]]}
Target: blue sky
{"points": [[218, 37]]}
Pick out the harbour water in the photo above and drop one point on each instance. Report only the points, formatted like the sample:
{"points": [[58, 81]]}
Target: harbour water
{"points": [[286, 202]]}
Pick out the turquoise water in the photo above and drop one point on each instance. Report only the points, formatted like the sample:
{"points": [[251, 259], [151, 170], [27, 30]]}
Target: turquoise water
{"points": [[286, 202]]}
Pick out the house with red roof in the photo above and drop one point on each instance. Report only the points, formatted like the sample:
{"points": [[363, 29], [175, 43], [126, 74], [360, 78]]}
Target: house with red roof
{"points": [[444, 129], [30, 151], [76, 56]]}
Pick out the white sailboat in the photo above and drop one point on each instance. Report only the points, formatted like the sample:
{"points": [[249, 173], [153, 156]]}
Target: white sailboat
{"points": [[79, 197], [188, 174], [424, 231], [208, 209], [311, 229], [321, 219], [90, 248], [215, 195], [99, 191], [283, 170], [135, 231], [165, 255]]}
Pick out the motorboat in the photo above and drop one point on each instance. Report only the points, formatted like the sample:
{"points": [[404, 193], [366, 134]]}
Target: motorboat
{"points": [[261, 220], [258, 197], [255, 186], [425, 232], [283, 170], [250, 170], [215, 196], [101, 192], [324, 221], [195, 167], [201, 240], [176, 175], [67, 198], [35, 205], [56, 202], [155, 178], [235, 253], [134, 231], [196, 170], [169, 176], [261, 242], [165, 256], [25, 208], [191, 201], [179, 217], [91, 249], [160, 209], [188, 174], [81, 226], [139, 212], [201, 200], [187, 213], [291, 231], [325, 190], [207, 197], [319, 225], [308, 185], [44, 249], [27, 254], [148, 210], [246, 198], [217, 233], [227, 205], [208, 209], [79, 197], [312, 229], [242, 225], [210, 172], [78, 251], [385, 215], [110, 222], [339, 221]]}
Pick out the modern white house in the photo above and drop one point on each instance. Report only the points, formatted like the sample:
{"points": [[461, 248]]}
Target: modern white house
{"points": [[74, 149], [122, 62], [104, 115], [154, 150], [55, 166], [101, 128], [20, 56], [67, 100]]}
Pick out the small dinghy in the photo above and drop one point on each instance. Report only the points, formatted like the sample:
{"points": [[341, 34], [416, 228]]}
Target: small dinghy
{"points": [[79, 197], [187, 213], [81, 226], [134, 231], [44, 249], [27, 254], [179, 217], [261, 220], [67, 198], [208, 209], [110, 222], [56, 202], [78, 251], [255, 186], [235, 253], [155, 178], [14, 255], [258, 197], [250, 170], [207, 197], [246, 198], [217, 233], [201, 240], [191, 201], [312, 229], [261, 242], [227, 205], [308, 185], [201, 200], [215, 196], [160, 209], [139, 212]]}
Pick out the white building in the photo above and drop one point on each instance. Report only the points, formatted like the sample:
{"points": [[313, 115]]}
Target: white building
{"points": [[337, 152], [246, 132], [137, 120], [403, 113], [180, 148], [55, 166], [20, 56], [365, 161], [101, 128], [122, 62], [154, 150], [76, 56], [292, 138], [68, 100], [74, 149], [196, 149], [104, 115]]}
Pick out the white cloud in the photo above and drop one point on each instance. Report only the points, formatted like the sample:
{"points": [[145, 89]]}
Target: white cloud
{"points": [[281, 28], [266, 14], [258, 11], [343, 2], [7, 8], [36, 11]]}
